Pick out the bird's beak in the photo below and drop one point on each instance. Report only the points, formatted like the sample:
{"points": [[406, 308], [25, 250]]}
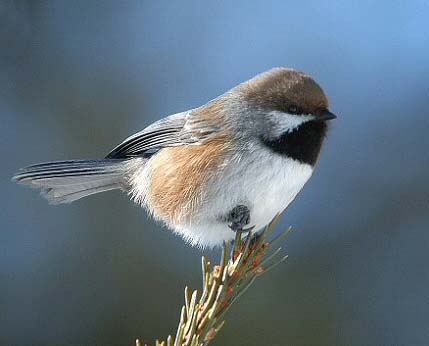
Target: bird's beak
{"points": [[326, 115]]}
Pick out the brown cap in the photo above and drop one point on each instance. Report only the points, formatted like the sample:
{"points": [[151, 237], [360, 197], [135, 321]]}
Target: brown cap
{"points": [[286, 90]]}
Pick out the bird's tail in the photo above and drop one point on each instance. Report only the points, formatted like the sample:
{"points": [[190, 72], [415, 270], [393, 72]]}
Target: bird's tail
{"points": [[68, 181]]}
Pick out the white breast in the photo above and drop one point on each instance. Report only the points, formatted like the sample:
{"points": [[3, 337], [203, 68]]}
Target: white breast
{"points": [[264, 182]]}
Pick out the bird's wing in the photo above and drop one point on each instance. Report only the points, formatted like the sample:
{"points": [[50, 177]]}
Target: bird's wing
{"points": [[177, 129]]}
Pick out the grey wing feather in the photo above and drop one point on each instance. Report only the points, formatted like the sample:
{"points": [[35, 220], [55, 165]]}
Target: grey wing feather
{"points": [[167, 132]]}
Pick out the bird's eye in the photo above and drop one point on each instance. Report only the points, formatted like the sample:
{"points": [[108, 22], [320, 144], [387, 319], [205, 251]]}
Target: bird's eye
{"points": [[293, 109]]}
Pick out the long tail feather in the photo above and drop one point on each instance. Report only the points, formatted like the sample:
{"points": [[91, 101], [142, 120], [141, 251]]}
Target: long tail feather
{"points": [[68, 181]]}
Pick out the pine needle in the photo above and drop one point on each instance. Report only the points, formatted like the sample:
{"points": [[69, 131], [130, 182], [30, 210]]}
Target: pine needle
{"points": [[201, 319]]}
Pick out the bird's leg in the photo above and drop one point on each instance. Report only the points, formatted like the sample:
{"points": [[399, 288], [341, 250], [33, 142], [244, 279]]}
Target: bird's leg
{"points": [[239, 217]]}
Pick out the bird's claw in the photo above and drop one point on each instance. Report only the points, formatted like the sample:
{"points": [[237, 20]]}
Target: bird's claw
{"points": [[240, 229], [239, 217]]}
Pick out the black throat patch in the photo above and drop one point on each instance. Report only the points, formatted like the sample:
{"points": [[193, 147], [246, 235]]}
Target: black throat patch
{"points": [[302, 144]]}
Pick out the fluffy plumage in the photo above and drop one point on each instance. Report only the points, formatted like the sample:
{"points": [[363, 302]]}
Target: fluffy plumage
{"points": [[255, 145]]}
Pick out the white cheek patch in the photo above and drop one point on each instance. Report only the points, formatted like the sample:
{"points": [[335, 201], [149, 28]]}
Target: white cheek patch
{"points": [[285, 122]]}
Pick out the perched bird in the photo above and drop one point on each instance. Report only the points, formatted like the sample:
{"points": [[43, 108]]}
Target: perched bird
{"points": [[209, 172]]}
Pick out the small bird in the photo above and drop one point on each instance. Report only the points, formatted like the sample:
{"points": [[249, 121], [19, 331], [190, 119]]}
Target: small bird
{"points": [[225, 167]]}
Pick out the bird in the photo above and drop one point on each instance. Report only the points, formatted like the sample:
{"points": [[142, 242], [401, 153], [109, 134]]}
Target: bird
{"points": [[228, 166]]}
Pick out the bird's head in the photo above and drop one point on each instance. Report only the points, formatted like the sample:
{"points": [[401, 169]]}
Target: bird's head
{"points": [[285, 99]]}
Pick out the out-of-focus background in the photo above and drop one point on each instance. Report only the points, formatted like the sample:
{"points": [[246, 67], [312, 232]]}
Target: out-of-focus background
{"points": [[77, 77]]}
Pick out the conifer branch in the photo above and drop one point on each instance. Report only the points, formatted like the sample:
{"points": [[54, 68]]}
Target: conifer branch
{"points": [[203, 315]]}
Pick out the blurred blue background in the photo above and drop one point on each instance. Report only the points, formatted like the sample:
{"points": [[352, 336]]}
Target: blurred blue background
{"points": [[76, 77]]}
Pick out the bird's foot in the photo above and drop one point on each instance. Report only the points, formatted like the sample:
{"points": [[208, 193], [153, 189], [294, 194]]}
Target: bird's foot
{"points": [[239, 217]]}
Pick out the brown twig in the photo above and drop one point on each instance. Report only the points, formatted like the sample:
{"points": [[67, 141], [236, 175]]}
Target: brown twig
{"points": [[201, 319]]}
